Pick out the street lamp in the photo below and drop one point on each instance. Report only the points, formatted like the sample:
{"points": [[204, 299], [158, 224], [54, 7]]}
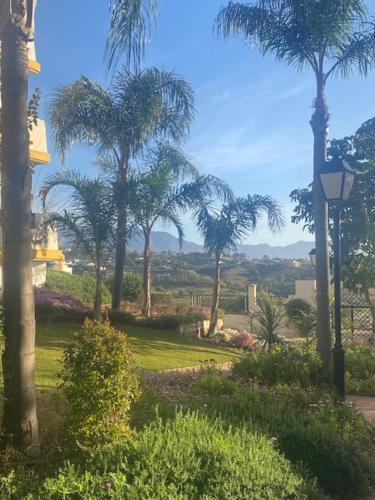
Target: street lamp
{"points": [[312, 256], [337, 179]]}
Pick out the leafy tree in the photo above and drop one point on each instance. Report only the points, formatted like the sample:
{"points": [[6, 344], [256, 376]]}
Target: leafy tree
{"points": [[329, 38], [222, 230], [89, 221], [19, 422], [358, 214], [120, 122]]}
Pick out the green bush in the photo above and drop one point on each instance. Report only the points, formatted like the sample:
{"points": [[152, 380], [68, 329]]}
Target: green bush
{"points": [[332, 442], [289, 365], [132, 286], [190, 457], [99, 384], [360, 370], [79, 285], [303, 315]]}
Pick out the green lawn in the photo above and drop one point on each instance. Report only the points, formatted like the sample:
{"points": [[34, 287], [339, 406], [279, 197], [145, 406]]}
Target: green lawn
{"points": [[154, 350]]}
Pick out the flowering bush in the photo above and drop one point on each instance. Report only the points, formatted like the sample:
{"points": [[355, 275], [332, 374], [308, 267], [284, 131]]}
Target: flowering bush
{"points": [[58, 305], [226, 335], [244, 340]]}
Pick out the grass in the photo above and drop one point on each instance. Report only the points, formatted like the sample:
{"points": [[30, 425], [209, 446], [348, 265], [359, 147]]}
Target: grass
{"points": [[154, 350]]}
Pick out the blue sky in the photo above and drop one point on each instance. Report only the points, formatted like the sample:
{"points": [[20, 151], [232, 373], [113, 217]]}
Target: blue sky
{"points": [[252, 126]]}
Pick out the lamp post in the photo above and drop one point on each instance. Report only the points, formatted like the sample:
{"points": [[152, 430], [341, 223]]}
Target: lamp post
{"points": [[337, 179]]}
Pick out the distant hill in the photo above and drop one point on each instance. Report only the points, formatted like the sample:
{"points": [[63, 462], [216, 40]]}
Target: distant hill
{"points": [[299, 250], [162, 241]]}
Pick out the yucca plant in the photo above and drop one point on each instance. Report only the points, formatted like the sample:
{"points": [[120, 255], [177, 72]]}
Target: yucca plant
{"points": [[268, 319]]}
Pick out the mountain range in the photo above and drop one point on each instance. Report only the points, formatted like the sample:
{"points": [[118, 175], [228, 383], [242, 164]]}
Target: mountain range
{"points": [[162, 241]]}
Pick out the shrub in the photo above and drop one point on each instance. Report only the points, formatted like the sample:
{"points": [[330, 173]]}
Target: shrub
{"points": [[268, 320], [99, 383], [303, 315], [226, 335], [332, 442], [54, 305], [244, 340], [122, 317], [189, 457], [360, 370], [132, 286], [290, 365], [80, 285]]}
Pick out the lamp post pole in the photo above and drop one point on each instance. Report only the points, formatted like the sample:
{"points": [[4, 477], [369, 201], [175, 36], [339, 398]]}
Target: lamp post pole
{"points": [[337, 180], [338, 350]]}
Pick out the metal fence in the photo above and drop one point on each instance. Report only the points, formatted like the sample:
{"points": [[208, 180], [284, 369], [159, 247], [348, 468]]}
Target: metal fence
{"points": [[357, 324], [231, 304]]}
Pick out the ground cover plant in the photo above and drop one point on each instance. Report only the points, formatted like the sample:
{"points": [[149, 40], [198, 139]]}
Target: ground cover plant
{"points": [[332, 442], [188, 457]]}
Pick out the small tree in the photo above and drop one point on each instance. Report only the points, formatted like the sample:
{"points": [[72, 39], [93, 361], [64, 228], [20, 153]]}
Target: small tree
{"points": [[222, 230], [268, 320], [89, 221]]}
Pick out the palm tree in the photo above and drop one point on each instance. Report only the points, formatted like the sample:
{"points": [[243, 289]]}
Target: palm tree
{"points": [[130, 30], [329, 37], [90, 221], [120, 121], [161, 196], [222, 230], [19, 424]]}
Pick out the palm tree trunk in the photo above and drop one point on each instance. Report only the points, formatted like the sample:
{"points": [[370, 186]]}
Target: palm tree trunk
{"points": [[319, 124], [147, 275], [98, 295], [119, 259], [122, 228], [215, 298], [20, 424]]}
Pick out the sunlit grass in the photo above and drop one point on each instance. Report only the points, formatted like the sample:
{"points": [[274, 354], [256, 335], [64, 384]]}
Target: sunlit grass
{"points": [[154, 350]]}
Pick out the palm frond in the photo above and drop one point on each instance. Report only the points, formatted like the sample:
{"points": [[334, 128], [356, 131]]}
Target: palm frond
{"points": [[301, 32], [357, 51], [130, 30], [82, 112], [223, 229]]}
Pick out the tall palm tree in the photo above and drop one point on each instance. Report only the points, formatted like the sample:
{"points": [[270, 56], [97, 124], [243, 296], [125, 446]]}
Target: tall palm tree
{"points": [[120, 121], [328, 37], [19, 424], [222, 230], [161, 197], [89, 221]]}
